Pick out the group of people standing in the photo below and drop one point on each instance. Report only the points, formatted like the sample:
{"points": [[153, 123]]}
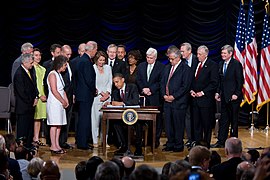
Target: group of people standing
{"points": [[185, 89]]}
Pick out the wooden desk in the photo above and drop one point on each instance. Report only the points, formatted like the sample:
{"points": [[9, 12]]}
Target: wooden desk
{"points": [[144, 113]]}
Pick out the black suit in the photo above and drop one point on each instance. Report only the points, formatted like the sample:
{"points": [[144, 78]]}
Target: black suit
{"points": [[14, 169], [69, 89], [226, 170], [131, 98], [230, 84], [25, 91], [189, 118], [153, 84], [85, 92], [119, 67], [202, 107], [175, 111]]}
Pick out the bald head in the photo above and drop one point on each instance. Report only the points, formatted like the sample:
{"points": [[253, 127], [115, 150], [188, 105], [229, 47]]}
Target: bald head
{"points": [[233, 147], [128, 161]]}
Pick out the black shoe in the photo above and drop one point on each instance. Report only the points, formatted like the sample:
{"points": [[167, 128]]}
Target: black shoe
{"points": [[66, 146], [91, 146], [217, 145], [138, 152], [178, 149], [168, 148], [85, 148], [188, 143], [121, 151]]}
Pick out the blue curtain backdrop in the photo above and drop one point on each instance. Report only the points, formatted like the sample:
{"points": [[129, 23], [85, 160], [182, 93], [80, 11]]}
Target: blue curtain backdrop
{"points": [[139, 24]]}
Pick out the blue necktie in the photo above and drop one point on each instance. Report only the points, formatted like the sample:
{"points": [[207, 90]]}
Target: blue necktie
{"points": [[225, 69]]}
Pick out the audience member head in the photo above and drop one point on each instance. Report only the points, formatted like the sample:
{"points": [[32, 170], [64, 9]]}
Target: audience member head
{"points": [[34, 166], [92, 164], [80, 171], [21, 153], [200, 156], [100, 56], [151, 55], [120, 165], [4, 164], [184, 164], [174, 169], [121, 52], [233, 147], [2, 143], [254, 155], [144, 172], [242, 167], [50, 171], [129, 165], [107, 171], [60, 63], [11, 143], [166, 168], [215, 159]]}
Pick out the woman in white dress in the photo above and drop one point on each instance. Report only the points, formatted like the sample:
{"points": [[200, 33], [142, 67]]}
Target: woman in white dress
{"points": [[103, 86], [56, 103]]}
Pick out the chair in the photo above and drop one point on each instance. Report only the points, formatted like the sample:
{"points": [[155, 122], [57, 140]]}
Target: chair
{"points": [[5, 107], [12, 98]]}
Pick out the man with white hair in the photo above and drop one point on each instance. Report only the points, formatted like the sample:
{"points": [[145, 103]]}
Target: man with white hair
{"points": [[148, 81]]}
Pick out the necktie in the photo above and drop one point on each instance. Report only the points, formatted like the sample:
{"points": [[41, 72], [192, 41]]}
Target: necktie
{"points": [[198, 71], [224, 68], [149, 71], [111, 63], [122, 94], [28, 72], [167, 85]]}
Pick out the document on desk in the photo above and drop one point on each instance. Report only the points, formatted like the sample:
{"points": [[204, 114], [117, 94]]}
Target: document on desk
{"points": [[111, 106]]}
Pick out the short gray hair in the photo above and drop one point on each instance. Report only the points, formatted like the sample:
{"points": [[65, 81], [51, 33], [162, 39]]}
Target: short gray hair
{"points": [[151, 51]]}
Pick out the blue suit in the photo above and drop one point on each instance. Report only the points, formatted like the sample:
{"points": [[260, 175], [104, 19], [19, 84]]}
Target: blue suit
{"points": [[85, 92]]}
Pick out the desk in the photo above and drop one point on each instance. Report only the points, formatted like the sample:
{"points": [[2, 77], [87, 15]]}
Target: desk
{"points": [[144, 113]]}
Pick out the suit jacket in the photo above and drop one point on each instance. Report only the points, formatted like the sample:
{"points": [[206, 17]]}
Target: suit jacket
{"points": [[179, 85], [153, 84], [207, 82], [232, 82], [15, 66], [194, 63], [68, 84], [73, 66], [48, 66], [131, 95], [86, 80], [14, 169], [25, 91], [226, 170], [119, 67]]}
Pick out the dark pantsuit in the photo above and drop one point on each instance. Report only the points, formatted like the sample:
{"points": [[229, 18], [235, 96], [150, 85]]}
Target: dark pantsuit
{"points": [[174, 126], [84, 125], [25, 127], [65, 129]]}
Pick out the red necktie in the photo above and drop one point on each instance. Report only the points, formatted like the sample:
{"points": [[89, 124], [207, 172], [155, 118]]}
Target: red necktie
{"points": [[167, 85], [198, 71], [122, 94]]}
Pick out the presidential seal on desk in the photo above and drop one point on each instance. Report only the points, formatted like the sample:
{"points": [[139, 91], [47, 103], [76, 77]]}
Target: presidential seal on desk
{"points": [[130, 116]]}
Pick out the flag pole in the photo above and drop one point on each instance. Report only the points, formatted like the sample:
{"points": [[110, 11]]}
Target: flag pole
{"points": [[252, 127], [267, 119]]}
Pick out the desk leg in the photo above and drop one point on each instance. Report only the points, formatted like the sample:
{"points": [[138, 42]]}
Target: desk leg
{"points": [[104, 127], [154, 133]]}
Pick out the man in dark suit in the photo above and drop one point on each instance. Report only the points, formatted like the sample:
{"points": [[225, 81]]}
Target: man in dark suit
{"points": [[192, 62], [55, 50], [203, 90], [69, 89], [128, 95], [26, 94], [118, 66], [227, 169], [148, 81], [85, 92], [175, 86], [229, 92]]}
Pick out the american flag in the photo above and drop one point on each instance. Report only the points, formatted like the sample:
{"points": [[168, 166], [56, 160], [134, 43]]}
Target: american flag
{"points": [[239, 45], [250, 64], [264, 79]]}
